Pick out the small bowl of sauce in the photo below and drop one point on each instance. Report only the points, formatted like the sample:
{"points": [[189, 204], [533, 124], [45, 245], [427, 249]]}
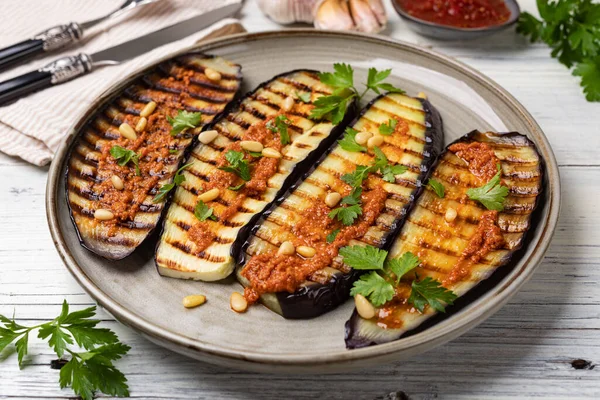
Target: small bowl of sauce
{"points": [[457, 19]]}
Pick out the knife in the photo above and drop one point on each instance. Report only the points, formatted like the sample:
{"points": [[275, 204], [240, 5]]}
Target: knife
{"points": [[67, 68]]}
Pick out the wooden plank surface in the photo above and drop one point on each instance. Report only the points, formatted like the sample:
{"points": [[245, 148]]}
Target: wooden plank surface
{"points": [[526, 350]]}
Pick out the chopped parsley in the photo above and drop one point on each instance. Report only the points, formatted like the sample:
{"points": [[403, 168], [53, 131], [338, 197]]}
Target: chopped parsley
{"points": [[124, 156], [183, 121], [348, 142], [237, 164], [304, 97], [331, 236], [363, 257], [280, 125], [429, 291], [492, 195], [388, 128], [346, 215], [202, 212], [178, 179], [437, 187]]}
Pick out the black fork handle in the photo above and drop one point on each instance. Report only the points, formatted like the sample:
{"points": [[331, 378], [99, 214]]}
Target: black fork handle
{"points": [[20, 52]]}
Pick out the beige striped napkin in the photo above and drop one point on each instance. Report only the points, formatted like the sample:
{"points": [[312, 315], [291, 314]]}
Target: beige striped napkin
{"points": [[33, 127]]}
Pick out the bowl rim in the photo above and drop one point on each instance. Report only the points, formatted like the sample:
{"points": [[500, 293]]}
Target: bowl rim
{"points": [[436, 335], [514, 16]]}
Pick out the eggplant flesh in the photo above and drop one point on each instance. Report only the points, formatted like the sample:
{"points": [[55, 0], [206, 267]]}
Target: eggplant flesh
{"points": [[439, 244], [177, 84], [177, 255], [417, 148]]}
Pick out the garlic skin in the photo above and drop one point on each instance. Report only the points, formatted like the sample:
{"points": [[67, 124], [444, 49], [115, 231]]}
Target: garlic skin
{"points": [[342, 15]]}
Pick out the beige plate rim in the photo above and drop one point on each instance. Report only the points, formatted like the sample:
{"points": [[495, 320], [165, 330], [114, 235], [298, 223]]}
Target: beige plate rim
{"points": [[341, 360]]}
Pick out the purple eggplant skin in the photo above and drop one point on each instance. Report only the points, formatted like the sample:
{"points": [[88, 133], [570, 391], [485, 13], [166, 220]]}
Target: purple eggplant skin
{"points": [[361, 333], [316, 299]]}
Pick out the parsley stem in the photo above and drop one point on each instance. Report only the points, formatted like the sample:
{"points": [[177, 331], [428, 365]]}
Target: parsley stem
{"points": [[363, 94]]}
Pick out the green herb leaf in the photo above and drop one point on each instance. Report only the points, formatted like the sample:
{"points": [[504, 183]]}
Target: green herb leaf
{"points": [[363, 257], [430, 291], [492, 195], [332, 107], [388, 128], [183, 121], [238, 187], [304, 97], [346, 215], [356, 178], [123, 156], [348, 142], [173, 151], [281, 126], [178, 179], [331, 236], [589, 71], [237, 165], [374, 287], [353, 198], [381, 164], [437, 187], [375, 78], [400, 266], [343, 77], [202, 212]]}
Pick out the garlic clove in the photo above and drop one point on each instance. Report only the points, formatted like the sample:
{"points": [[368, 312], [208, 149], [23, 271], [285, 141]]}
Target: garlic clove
{"points": [[364, 17], [289, 11], [379, 10], [335, 15]]}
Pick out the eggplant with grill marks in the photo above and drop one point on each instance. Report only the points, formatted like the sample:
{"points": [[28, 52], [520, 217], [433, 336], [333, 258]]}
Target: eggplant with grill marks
{"points": [[453, 236], [263, 143], [413, 140], [122, 158]]}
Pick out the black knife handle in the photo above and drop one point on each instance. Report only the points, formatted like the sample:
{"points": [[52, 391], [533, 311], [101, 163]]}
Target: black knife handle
{"points": [[59, 71], [20, 52], [51, 39]]}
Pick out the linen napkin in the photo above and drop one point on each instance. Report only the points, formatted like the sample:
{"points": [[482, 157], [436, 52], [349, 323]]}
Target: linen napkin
{"points": [[32, 128]]}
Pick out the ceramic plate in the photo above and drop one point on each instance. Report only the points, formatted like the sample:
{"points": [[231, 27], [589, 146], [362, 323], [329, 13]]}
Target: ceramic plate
{"points": [[260, 340]]}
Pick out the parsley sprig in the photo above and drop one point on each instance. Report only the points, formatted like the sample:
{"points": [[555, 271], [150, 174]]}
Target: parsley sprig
{"points": [[87, 371], [280, 125], [333, 107], [123, 156], [388, 128], [202, 212], [572, 30], [237, 164], [437, 187], [178, 179], [183, 121], [348, 142], [492, 195], [377, 285]]}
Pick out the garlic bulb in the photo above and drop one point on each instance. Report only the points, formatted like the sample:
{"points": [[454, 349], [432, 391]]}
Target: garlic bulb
{"points": [[351, 15]]}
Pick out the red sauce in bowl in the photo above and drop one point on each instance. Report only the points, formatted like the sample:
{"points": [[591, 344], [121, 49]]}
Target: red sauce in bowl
{"points": [[458, 13]]}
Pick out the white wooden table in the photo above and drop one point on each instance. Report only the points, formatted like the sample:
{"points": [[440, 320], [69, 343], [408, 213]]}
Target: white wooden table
{"points": [[525, 350]]}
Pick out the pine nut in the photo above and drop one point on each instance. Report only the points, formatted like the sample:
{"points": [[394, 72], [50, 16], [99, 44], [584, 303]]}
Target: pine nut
{"points": [[148, 109], [207, 136], [212, 74], [364, 307], [376, 140], [117, 182], [103, 214], [450, 215], [332, 199], [287, 104], [127, 131], [251, 145], [141, 125], [271, 153], [363, 137], [209, 195], [422, 95], [286, 249], [194, 300], [238, 303], [305, 251]]}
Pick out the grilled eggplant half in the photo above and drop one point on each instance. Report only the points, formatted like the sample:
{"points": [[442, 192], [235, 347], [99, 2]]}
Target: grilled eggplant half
{"points": [[459, 242], [309, 285], [110, 193], [230, 181]]}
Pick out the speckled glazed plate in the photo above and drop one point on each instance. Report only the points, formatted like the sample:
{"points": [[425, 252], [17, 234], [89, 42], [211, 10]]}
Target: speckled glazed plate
{"points": [[260, 340]]}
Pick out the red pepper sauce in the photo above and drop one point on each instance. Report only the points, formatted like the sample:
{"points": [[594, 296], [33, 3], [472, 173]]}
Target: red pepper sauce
{"points": [[458, 13], [272, 273], [262, 169]]}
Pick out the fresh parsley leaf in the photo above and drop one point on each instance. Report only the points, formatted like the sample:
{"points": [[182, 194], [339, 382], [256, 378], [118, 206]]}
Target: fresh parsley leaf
{"points": [[363, 257], [381, 164], [400, 266], [254, 153], [346, 215], [343, 77], [380, 160], [374, 287], [173, 151], [202, 212], [437, 187], [238, 187], [492, 194], [304, 97], [123, 156], [589, 71], [332, 107], [331, 236], [348, 142], [237, 165], [353, 198], [281, 123], [178, 179], [388, 128], [430, 291], [183, 121], [356, 178], [375, 78]]}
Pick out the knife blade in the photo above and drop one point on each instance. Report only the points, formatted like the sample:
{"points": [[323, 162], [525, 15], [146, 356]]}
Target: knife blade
{"points": [[68, 68]]}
